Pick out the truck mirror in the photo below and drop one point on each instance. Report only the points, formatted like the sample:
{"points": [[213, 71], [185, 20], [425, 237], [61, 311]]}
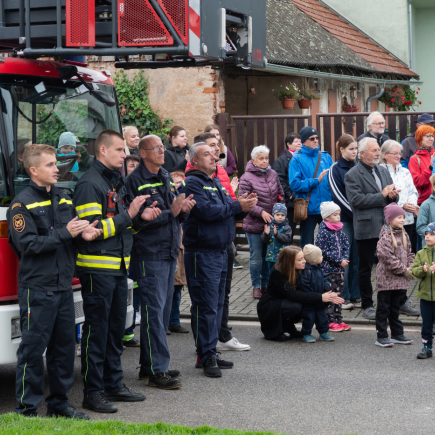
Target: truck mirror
{"points": [[103, 97]]}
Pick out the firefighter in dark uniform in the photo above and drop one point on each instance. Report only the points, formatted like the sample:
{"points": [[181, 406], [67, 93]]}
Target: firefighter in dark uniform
{"points": [[154, 260], [102, 268], [43, 229], [209, 229]]}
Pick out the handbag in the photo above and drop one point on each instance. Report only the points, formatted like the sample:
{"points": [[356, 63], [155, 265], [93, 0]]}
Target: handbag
{"points": [[301, 204]]}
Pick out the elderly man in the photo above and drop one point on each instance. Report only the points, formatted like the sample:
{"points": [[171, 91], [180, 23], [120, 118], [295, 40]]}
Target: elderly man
{"points": [[409, 144], [154, 260], [376, 128], [369, 189]]}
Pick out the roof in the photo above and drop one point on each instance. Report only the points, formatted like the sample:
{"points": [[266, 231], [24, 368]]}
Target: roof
{"points": [[353, 38]]}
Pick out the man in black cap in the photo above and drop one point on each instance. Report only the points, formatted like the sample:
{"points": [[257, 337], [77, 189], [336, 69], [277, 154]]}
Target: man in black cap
{"points": [[375, 128], [409, 144]]}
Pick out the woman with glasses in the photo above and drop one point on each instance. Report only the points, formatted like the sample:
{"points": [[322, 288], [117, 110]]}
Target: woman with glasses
{"points": [[303, 181]]}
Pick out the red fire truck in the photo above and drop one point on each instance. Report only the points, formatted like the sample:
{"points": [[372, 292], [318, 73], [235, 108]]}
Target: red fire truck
{"points": [[40, 99]]}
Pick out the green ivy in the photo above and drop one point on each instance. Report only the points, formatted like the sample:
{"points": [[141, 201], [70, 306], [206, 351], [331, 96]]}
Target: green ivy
{"points": [[135, 106]]}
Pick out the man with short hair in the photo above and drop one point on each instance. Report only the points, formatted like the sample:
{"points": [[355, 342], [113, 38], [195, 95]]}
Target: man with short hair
{"points": [[208, 231], [375, 128], [369, 188], [43, 231], [102, 268], [154, 260]]}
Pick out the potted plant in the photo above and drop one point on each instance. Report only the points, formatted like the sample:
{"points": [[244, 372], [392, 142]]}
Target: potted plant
{"points": [[287, 95], [410, 100], [305, 97], [347, 107]]}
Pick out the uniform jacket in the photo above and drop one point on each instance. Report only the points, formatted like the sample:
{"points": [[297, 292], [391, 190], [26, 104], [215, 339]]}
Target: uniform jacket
{"points": [[160, 238], [301, 171], [109, 252], [367, 201], [211, 224], [426, 283], [175, 158], [275, 243], [393, 262], [281, 166], [312, 279], [409, 147], [421, 173], [335, 248], [269, 191], [426, 215], [37, 233], [380, 139]]}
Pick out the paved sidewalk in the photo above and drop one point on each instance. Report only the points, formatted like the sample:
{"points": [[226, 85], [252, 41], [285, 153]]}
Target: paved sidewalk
{"points": [[244, 307]]}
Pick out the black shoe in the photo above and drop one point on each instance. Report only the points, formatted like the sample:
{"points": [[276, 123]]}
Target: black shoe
{"points": [[131, 343], [237, 265], [178, 329], [164, 381], [425, 353], [294, 333], [222, 364], [124, 394], [69, 412], [98, 402], [281, 337], [168, 332], [230, 327], [211, 369], [144, 376]]}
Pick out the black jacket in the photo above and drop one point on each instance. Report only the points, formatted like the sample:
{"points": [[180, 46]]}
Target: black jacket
{"points": [[312, 279], [175, 158], [110, 252], [380, 139], [409, 147], [269, 306], [37, 233], [281, 166], [160, 239]]}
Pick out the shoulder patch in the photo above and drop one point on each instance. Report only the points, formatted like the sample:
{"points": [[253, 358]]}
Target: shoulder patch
{"points": [[19, 223], [17, 204]]}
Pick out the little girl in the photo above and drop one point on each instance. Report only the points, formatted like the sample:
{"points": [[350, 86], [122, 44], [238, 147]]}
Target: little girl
{"points": [[392, 275], [335, 249]]}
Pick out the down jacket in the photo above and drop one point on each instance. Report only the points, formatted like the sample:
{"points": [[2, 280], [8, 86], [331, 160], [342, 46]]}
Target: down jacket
{"points": [[393, 261], [269, 191], [426, 284]]}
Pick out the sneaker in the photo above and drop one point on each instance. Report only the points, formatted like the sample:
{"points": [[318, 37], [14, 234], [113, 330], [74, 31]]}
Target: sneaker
{"points": [[164, 381], [308, 339], [138, 318], [98, 403], [79, 351], [347, 305], [222, 364], [401, 339], [345, 327], [408, 309], [369, 313], [335, 327], [144, 376], [356, 303], [178, 329], [237, 265], [124, 394], [232, 344], [211, 368], [425, 353], [384, 342], [131, 343], [326, 337]]}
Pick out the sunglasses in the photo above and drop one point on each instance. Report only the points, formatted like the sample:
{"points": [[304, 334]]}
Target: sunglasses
{"points": [[313, 138]]}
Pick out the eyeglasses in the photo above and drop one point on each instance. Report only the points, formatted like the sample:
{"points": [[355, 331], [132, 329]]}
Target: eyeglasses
{"points": [[378, 123], [312, 139], [396, 154], [157, 149], [429, 136]]}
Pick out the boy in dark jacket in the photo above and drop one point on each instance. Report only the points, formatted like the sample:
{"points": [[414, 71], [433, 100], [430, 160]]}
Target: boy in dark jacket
{"points": [[277, 234], [312, 280]]}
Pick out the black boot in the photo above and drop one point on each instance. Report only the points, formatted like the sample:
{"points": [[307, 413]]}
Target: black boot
{"points": [[124, 394], [98, 402]]}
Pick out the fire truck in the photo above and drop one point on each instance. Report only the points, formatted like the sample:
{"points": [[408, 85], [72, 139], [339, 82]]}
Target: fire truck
{"points": [[46, 89]]}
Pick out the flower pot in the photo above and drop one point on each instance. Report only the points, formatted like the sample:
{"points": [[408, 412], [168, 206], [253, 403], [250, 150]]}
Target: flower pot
{"points": [[304, 103], [288, 103]]}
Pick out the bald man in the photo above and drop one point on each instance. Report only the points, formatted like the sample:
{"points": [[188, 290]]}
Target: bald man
{"points": [[154, 260]]}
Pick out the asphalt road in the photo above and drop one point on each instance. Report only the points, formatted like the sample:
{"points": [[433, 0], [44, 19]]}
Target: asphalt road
{"points": [[346, 387]]}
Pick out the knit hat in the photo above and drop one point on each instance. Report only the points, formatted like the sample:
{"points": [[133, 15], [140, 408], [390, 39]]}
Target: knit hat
{"points": [[312, 253], [391, 211], [327, 208], [67, 138], [430, 228], [306, 132], [279, 208]]}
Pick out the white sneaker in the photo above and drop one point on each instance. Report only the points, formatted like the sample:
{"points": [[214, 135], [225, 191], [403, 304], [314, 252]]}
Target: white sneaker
{"points": [[233, 344], [138, 318], [347, 305], [79, 351]]}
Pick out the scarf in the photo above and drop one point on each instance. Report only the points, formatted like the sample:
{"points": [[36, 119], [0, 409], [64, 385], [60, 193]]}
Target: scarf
{"points": [[334, 227]]}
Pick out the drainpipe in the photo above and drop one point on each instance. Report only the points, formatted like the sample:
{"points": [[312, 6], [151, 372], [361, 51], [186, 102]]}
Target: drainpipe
{"points": [[374, 97], [411, 42]]}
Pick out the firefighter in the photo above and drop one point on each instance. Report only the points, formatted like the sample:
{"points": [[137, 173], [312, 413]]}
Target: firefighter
{"points": [[154, 260], [102, 268], [209, 229], [43, 230]]}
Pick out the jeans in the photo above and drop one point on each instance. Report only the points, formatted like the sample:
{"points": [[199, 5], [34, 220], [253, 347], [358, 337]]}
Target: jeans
{"points": [[225, 333], [427, 309], [351, 287], [387, 311], [174, 320], [366, 257], [314, 315], [307, 229], [291, 221], [258, 268]]}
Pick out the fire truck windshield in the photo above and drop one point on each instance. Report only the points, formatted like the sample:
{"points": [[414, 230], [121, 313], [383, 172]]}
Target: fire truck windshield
{"points": [[35, 110]]}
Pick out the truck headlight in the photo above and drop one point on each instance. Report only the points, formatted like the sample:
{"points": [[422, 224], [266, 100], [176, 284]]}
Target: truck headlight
{"points": [[15, 328]]}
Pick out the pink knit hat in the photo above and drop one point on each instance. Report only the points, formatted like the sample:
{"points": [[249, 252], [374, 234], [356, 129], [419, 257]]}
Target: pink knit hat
{"points": [[391, 211]]}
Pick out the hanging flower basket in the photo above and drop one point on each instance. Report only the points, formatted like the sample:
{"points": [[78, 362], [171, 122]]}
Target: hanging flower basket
{"points": [[304, 103], [288, 103]]}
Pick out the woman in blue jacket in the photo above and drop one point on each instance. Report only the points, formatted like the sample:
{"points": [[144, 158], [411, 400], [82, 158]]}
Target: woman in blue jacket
{"points": [[347, 149], [301, 171]]}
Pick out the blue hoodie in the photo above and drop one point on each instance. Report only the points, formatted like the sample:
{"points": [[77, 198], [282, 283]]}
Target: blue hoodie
{"points": [[301, 171]]}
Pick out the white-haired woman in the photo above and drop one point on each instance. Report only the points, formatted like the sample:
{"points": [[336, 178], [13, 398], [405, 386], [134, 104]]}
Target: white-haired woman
{"points": [[261, 179], [391, 153]]}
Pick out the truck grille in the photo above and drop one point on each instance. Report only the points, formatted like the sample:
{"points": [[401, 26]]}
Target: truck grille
{"points": [[78, 309]]}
